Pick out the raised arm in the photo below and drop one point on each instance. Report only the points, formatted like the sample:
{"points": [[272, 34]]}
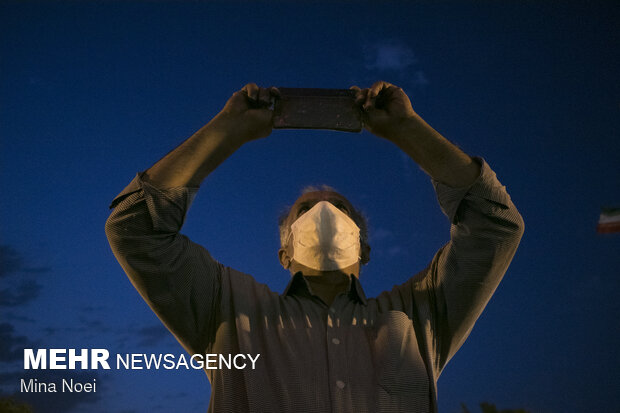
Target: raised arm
{"points": [[388, 113], [177, 278], [451, 293], [245, 117]]}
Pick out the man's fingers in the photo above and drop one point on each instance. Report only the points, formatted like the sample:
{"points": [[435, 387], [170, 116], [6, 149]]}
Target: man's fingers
{"points": [[264, 96], [377, 87], [360, 94], [251, 89], [357, 91], [384, 93], [372, 94], [259, 96], [274, 91], [369, 100]]}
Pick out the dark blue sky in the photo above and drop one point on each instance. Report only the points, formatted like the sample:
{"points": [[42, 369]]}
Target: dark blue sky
{"points": [[93, 92]]}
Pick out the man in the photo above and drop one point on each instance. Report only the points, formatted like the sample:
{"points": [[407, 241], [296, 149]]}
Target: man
{"points": [[323, 345]]}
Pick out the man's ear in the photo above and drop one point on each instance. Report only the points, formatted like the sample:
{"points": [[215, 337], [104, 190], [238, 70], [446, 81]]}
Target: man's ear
{"points": [[285, 260], [365, 253]]}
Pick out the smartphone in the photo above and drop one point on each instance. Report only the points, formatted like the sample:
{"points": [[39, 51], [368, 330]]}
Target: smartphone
{"points": [[303, 108]]}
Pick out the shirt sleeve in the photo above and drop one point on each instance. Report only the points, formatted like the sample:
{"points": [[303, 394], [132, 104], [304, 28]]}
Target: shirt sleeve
{"points": [[451, 293], [177, 278]]}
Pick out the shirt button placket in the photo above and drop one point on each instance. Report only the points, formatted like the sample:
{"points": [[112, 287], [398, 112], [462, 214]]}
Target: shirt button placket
{"points": [[336, 358]]}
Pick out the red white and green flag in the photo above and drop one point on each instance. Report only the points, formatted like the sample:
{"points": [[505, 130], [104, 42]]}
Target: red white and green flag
{"points": [[609, 221]]}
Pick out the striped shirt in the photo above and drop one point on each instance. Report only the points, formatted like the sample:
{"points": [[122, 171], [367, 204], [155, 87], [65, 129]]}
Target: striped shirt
{"points": [[360, 354]]}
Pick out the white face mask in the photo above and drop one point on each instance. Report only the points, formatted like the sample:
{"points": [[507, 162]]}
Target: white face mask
{"points": [[325, 238]]}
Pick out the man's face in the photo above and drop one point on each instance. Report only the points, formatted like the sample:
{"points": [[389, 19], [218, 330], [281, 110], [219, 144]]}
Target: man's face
{"points": [[304, 203]]}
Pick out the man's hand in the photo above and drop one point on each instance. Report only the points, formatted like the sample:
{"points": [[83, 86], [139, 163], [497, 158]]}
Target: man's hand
{"points": [[247, 116], [385, 109]]}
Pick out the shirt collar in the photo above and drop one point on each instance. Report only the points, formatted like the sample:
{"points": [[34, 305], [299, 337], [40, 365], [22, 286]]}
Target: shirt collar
{"points": [[298, 284]]}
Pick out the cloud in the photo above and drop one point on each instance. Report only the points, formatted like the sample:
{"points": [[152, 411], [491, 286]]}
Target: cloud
{"points": [[19, 317], [12, 345], [383, 242], [26, 291], [151, 335], [380, 234], [12, 262], [394, 59], [389, 55], [21, 287], [395, 250], [12, 355], [18, 291]]}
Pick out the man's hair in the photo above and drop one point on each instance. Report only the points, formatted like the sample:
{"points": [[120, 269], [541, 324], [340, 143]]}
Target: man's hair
{"points": [[356, 215]]}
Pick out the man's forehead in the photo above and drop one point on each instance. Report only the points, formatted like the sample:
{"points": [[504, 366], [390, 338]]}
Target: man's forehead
{"points": [[316, 196]]}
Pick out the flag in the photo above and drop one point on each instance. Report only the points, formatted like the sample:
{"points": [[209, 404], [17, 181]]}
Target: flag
{"points": [[609, 221]]}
